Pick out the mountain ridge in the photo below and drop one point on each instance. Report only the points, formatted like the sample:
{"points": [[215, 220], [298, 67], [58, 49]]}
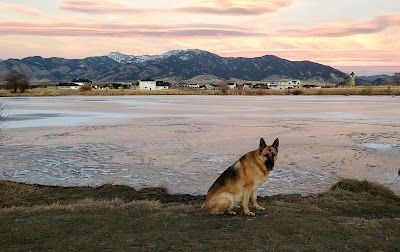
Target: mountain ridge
{"points": [[180, 65]]}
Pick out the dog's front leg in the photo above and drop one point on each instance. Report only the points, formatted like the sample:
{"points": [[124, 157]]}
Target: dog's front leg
{"points": [[254, 200], [245, 200]]}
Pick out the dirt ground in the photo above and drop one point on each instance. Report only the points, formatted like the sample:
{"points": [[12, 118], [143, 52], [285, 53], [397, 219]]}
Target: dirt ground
{"points": [[354, 216]]}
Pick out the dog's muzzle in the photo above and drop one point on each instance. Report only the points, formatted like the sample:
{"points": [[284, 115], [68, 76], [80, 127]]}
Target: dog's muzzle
{"points": [[269, 164]]}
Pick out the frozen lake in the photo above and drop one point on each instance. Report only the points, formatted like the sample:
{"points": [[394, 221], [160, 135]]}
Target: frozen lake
{"points": [[185, 142]]}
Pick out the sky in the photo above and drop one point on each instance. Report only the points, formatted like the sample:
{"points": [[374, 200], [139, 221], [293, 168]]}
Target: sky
{"points": [[360, 36]]}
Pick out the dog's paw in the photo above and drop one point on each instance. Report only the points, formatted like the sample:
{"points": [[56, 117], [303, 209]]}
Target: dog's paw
{"points": [[249, 213], [231, 212], [236, 206], [260, 208]]}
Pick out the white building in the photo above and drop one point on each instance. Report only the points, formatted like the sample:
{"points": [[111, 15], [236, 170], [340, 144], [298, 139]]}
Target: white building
{"points": [[231, 85], [153, 85], [82, 82], [292, 84], [194, 85], [68, 85], [147, 84]]}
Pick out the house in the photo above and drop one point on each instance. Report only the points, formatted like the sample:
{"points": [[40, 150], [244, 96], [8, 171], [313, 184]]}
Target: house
{"points": [[147, 84], [150, 84], [292, 84], [247, 85], [115, 85], [194, 85], [231, 85], [82, 82], [261, 85], [180, 85], [275, 85], [67, 85], [210, 86], [162, 85]]}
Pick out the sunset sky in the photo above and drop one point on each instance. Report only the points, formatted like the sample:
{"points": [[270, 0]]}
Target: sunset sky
{"points": [[351, 35]]}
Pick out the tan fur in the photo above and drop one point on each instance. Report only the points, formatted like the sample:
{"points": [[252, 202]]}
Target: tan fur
{"points": [[240, 182]]}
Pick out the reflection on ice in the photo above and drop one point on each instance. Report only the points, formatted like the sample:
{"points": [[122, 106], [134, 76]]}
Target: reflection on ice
{"points": [[382, 147], [185, 142], [19, 118]]}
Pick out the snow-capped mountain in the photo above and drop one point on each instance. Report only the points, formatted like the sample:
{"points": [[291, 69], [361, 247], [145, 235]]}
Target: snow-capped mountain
{"points": [[131, 59], [128, 59], [176, 64]]}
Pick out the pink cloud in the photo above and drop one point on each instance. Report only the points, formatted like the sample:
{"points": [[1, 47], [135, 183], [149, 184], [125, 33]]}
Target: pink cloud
{"points": [[333, 54], [376, 25], [19, 9], [124, 30], [222, 7], [236, 7], [99, 7]]}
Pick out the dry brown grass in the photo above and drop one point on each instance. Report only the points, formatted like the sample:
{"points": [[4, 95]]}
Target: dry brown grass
{"points": [[367, 90], [120, 218], [361, 90], [356, 186]]}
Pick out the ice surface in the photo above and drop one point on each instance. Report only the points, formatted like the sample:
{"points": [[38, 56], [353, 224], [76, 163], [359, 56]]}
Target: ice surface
{"points": [[185, 142]]}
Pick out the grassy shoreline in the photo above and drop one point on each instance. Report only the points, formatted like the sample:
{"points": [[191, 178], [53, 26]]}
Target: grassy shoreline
{"points": [[361, 90], [352, 216]]}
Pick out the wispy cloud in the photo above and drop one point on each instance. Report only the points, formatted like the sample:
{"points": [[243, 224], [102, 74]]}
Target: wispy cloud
{"points": [[221, 7], [19, 9], [100, 7], [236, 7], [124, 30], [375, 25]]}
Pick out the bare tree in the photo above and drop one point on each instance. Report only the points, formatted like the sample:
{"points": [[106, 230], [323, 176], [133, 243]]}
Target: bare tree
{"points": [[16, 81], [223, 88], [396, 78]]}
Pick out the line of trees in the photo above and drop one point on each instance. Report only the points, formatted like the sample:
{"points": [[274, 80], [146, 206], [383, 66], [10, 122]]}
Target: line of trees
{"points": [[17, 81]]}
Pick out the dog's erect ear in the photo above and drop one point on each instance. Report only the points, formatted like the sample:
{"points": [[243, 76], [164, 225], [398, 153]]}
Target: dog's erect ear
{"points": [[262, 144], [276, 144]]}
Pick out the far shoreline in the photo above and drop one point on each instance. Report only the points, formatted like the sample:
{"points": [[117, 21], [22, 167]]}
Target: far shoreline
{"points": [[358, 90]]}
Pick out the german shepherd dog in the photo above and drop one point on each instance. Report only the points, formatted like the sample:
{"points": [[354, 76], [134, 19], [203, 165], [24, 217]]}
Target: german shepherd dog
{"points": [[241, 180]]}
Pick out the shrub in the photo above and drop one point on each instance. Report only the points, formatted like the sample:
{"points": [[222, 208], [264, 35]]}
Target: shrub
{"points": [[15, 81], [356, 186], [366, 91], [85, 89], [297, 92], [224, 88]]}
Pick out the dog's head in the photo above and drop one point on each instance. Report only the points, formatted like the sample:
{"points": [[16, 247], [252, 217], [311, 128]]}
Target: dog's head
{"points": [[269, 154]]}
